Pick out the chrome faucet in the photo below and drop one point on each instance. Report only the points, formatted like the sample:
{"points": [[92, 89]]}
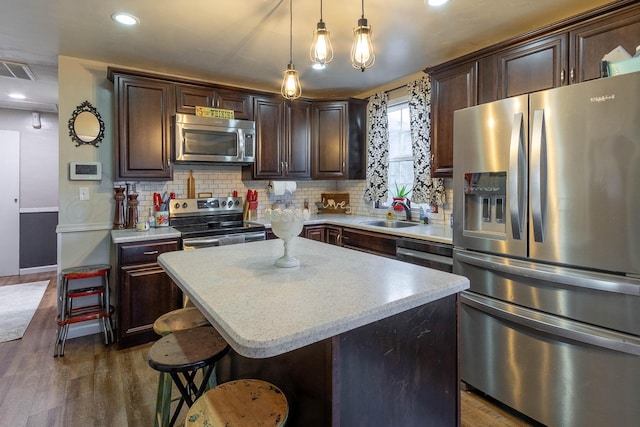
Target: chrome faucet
{"points": [[407, 208]]}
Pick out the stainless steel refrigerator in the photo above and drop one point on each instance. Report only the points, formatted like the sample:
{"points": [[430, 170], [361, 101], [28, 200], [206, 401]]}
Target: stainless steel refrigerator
{"points": [[547, 229]]}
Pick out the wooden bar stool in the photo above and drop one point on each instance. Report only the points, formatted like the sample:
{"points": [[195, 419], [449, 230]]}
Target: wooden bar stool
{"points": [[69, 314], [240, 403], [181, 354], [179, 320]]}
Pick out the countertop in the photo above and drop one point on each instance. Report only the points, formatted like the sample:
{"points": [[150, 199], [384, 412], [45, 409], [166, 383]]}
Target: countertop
{"points": [[263, 310], [132, 235], [431, 232]]}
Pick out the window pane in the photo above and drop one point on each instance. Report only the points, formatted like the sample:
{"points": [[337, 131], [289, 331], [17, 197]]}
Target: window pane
{"points": [[400, 148]]}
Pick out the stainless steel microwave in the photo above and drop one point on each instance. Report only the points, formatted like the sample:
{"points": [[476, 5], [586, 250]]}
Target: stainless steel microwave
{"points": [[211, 140]]}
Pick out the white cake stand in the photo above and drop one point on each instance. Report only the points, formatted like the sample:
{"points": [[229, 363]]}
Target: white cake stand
{"points": [[286, 224]]}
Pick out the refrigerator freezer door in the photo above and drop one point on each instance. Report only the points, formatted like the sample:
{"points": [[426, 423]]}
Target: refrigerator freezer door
{"points": [[585, 174], [490, 176]]}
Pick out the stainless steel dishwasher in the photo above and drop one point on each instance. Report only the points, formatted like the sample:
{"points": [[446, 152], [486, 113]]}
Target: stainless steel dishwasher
{"points": [[425, 253]]}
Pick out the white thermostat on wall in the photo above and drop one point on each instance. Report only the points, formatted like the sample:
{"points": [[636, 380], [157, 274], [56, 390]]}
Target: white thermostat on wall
{"points": [[85, 171]]}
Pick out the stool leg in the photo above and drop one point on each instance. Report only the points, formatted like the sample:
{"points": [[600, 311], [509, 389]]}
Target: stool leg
{"points": [[57, 349], [163, 401], [213, 380]]}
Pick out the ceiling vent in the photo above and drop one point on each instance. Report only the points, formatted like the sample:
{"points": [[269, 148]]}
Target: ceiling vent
{"points": [[15, 70]]}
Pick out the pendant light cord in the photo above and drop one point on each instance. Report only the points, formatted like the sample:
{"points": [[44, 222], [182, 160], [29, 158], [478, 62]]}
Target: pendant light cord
{"points": [[320, 10], [362, 8], [291, 31]]}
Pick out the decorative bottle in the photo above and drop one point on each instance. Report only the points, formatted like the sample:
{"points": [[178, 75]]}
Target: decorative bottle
{"points": [[119, 216]]}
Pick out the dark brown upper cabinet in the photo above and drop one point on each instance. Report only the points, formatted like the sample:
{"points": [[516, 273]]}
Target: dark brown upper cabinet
{"points": [[142, 147], [190, 96], [451, 90], [283, 139], [338, 139]]}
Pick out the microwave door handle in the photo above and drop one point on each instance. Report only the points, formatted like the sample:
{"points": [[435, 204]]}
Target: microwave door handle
{"points": [[538, 175], [515, 179]]}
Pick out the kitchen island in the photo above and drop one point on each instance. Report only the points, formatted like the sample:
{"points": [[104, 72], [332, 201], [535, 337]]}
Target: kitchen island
{"points": [[351, 338]]}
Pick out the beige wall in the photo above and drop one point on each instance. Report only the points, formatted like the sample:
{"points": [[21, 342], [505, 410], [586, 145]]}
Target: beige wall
{"points": [[83, 226]]}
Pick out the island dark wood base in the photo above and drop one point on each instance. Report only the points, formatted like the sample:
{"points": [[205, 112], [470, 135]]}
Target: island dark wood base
{"points": [[400, 371]]}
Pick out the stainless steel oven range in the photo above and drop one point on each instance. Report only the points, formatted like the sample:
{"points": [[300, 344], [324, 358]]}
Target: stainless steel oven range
{"points": [[212, 221]]}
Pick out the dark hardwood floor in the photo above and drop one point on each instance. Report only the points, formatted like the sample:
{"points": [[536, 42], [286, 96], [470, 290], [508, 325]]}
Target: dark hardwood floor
{"points": [[94, 385]]}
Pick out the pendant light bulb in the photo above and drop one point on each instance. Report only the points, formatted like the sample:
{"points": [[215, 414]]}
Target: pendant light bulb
{"points": [[362, 55], [291, 88], [321, 52]]}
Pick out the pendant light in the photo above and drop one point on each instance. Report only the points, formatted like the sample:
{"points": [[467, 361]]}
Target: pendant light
{"points": [[362, 55], [291, 84], [321, 51]]}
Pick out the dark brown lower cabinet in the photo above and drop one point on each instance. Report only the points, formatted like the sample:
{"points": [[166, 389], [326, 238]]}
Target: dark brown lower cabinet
{"points": [[314, 232], [399, 371], [367, 241], [143, 291]]}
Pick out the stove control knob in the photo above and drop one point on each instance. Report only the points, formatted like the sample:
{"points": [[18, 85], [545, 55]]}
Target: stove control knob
{"points": [[185, 205], [224, 203], [237, 202], [176, 206]]}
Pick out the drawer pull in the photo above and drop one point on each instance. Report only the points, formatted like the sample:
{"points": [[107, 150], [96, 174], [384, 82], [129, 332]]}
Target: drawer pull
{"points": [[152, 253]]}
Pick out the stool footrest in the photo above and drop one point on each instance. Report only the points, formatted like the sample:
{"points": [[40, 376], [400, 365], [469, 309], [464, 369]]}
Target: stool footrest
{"points": [[84, 292]]}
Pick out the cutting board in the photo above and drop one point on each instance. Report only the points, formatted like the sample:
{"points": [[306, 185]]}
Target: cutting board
{"points": [[335, 203]]}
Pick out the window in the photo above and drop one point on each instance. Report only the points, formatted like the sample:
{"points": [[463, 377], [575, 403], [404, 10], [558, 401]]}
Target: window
{"points": [[400, 147]]}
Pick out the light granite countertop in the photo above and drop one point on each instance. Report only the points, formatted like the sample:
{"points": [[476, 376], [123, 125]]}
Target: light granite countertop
{"points": [[431, 232], [263, 310], [132, 235]]}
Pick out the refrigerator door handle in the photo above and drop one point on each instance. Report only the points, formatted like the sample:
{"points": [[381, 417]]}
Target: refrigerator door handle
{"points": [[538, 175], [553, 325], [515, 179], [552, 274]]}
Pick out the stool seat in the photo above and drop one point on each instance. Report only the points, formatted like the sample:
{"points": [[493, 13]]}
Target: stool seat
{"points": [[181, 354], [178, 320], [85, 271], [240, 403]]}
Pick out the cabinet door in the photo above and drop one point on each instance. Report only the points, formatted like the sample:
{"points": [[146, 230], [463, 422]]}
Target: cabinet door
{"points": [[298, 140], [269, 118], [145, 293], [314, 232], [143, 146], [589, 43], [241, 103], [189, 96], [538, 65], [451, 90], [333, 235], [329, 140]]}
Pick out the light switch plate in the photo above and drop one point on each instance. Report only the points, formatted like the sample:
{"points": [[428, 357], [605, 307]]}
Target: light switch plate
{"points": [[84, 193]]}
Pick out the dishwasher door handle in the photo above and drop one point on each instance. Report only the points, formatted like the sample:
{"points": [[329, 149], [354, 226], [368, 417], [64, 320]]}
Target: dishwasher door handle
{"points": [[409, 253]]}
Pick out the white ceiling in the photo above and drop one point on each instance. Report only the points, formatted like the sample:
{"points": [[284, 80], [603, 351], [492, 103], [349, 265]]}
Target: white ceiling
{"points": [[246, 43]]}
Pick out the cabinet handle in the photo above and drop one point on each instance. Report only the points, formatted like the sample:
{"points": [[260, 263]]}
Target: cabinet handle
{"points": [[572, 75], [282, 166], [286, 167], [562, 76], [151, 253]]}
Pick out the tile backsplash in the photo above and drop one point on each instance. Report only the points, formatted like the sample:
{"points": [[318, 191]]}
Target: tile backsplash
{"points": [[223, 180]]}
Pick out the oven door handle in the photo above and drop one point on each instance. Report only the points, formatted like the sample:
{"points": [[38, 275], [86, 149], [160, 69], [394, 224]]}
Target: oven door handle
{"points": [[200, 242], [553, 325]]}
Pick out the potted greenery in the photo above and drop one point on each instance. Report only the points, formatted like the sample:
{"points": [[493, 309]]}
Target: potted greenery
{"points": [[401, 193]]}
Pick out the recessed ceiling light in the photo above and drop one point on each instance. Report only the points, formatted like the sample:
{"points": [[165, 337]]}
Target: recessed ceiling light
{"points": [[17, 96], [436, 2], [125, 18]]}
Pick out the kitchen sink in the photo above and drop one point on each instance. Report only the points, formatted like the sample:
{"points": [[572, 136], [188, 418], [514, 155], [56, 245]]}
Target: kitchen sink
{"points": [[390, 223]]}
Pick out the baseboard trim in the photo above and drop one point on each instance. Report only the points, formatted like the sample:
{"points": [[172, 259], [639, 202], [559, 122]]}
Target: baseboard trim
{"points": [[41, 269]]}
